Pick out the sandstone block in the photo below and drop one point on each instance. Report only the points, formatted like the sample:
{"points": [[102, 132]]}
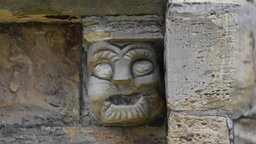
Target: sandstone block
{"points": [[209, 58], [39, 67], [81, 135], [122, 27], [84, 7], [188, 129]]}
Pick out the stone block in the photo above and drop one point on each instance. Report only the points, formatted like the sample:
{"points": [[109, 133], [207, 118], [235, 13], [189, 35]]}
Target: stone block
{"points": [[123, 27], [81, 135], [84, 7], [189, 129], [39, 67], [209, 58]]}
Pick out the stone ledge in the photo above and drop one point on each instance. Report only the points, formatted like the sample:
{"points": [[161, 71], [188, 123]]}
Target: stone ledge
{"points": [[7, 17], [84, 7], [122, 27]]}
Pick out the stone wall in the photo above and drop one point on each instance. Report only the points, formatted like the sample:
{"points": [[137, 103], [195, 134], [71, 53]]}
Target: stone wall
{"points": [[39, 73], [210, 75], [127, 72], [44, 82]]}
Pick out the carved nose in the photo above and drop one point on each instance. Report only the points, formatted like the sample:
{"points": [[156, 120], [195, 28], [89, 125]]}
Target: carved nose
{"points": [[122, 74]]}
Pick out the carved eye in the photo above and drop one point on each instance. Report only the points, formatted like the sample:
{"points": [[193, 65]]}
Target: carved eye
{"points": [[103, 70], [141, 68]]}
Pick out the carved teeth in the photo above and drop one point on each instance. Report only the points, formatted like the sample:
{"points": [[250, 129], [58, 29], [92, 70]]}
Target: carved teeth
{"points": [[139, 110], [112, 115], [130, 115], [123, 114], [133, 110], [127, 112], [118, 115], [142, 109], [144, 104], [109, 111]]}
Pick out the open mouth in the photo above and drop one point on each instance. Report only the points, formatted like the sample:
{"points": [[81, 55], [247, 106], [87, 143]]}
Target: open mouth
{"points": [[126, 107], [124, 99]]}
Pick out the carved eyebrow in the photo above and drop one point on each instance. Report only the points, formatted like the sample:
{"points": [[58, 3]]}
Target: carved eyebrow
{"points": [[138, 52], [105, 54]]}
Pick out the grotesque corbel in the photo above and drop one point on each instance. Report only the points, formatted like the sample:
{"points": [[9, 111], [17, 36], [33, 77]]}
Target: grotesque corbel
{"points": [[123, 83]]}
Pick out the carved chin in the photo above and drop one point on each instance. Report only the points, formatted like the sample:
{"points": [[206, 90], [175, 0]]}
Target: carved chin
{"points": [[125, 109]]}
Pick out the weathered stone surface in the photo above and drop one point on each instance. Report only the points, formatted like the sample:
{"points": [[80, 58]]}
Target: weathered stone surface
{"points": [[122, 30], [119, 31], [39, 67], [188, 129], [244, 131], [209, 59], [122, 27], [123, 83], [84, 7], [79, 135], [7, 17]]}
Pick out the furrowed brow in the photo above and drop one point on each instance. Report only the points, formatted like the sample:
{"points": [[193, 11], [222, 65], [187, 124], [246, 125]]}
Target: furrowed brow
{"points": [[105, 54], [138, 53]]}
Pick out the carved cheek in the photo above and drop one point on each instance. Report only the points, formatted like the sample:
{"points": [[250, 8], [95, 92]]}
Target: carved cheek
{"points": [[151, 79], [98, 89]]}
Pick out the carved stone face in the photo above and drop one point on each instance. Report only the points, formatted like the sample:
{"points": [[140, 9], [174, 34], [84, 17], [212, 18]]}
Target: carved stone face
{"points": [[123, 81]]}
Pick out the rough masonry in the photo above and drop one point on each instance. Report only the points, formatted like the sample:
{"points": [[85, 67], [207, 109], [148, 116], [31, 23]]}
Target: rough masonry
{"points": [[209, 67], [127, 71], [39, 82]]}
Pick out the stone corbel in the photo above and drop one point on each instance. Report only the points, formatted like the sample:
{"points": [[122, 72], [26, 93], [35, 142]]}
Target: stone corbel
{"points": [[123, 76]]}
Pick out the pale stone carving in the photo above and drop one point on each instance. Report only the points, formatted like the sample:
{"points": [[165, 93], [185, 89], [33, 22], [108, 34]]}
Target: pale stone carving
{"points": [[123, 81]]}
